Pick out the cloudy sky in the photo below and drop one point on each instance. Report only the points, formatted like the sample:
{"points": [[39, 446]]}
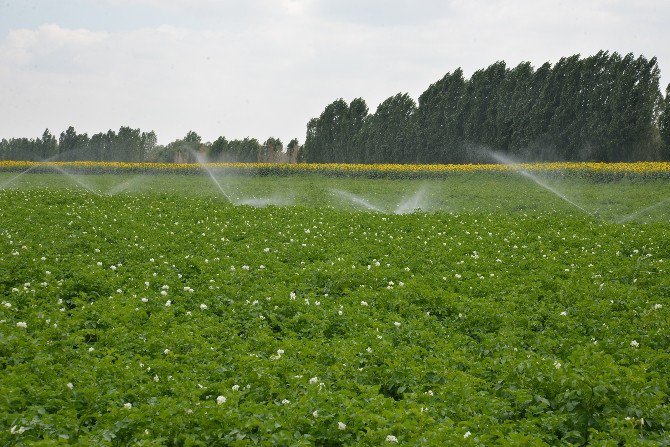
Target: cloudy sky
{"points": [[264, 67]]}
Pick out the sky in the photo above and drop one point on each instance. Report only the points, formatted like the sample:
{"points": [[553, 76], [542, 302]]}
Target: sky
{"points": [[263, 68]]}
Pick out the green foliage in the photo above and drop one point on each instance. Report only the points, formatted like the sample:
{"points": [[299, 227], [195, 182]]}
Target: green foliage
{"points": [[336, 134], [388, 133], [599, 108], [515, 322], [240, 151], [185, 150], [293, 151], [128, 144], [664, 124], [271, 151]]}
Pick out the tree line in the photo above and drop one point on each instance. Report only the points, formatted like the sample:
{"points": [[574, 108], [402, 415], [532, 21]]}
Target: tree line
{"points": [[605, 107], [133, 145]]}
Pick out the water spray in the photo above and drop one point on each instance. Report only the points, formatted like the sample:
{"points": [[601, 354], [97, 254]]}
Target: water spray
{"points": [[357, 200], [412, 203], [516, 167], [200, 159], [123, 186], [632, 216]]}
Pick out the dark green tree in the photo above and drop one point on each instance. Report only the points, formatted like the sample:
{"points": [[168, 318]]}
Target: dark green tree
{"points": [[329, 137], [247, 150], [149, 141], [439, 122], [101, 146], [389, 131], [664, 124], [512, 106], [71, 144], [128, 145], [480, 107], [292, 151], [49, 145], [219, 150], [271, 151], [352, 144]]}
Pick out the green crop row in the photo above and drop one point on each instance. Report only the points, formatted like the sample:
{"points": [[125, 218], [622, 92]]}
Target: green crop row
{"points": [[163, 319]]}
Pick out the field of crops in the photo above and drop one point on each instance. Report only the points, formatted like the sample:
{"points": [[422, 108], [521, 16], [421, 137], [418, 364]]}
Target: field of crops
{"points": [[150, 310]]}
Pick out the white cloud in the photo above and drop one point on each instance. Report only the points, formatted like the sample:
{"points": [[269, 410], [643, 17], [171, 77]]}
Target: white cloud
{"points": [[263, 67]]}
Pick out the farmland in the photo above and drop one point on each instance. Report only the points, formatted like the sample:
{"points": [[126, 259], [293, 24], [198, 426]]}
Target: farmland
{"points": [[149, 310]]}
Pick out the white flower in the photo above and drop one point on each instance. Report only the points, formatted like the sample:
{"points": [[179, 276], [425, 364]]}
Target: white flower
{"points": [[164, 292], [69, 385], [557, 364], [245, 267], [145, 300], [364, 303], [315, 413], [168, 303], [658, 306], [285, 402], [292, 295], [146, 283], [127, 405], [166, 351], [368, 349], [203, 306], [564, 313], [467, 434], [113, 267], [391, 438], [458, 276], [99, 264], [221, 400], [396, 324], [261, 267], [22, 324], [635, 344], [313, 380], [6, 304], [341, 426], [236, 387], [280, 351], [91, 349], [156, 379]]}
